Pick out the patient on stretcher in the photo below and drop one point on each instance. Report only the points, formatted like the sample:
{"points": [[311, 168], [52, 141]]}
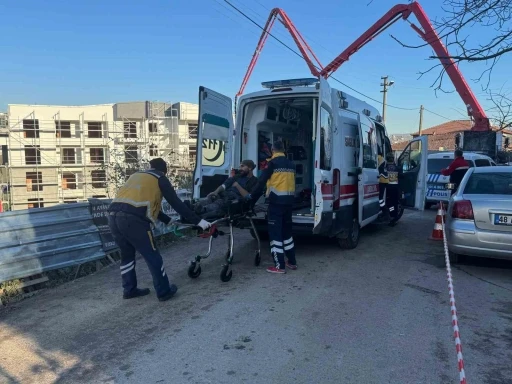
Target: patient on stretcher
{"points": [[235, 188]]}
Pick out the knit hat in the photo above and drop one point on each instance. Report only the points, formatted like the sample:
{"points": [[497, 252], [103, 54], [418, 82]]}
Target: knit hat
{"points": [[249, 163], [159, 164]]}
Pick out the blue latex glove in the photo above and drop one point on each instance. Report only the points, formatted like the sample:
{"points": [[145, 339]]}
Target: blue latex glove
{"points": [[248, 197]]}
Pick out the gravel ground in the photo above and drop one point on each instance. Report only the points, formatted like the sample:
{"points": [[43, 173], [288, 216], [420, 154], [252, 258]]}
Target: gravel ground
{"points": [[377, 314]]}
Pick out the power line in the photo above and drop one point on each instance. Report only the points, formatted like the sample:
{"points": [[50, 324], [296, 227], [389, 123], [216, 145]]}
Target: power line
{"points": [[302, 57]]}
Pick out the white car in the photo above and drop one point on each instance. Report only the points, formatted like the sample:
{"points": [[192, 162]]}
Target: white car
{"points": [[436, 183]]}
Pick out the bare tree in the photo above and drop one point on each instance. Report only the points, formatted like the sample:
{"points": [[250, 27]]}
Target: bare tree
{"points": [[461, 17], [501, 111]]}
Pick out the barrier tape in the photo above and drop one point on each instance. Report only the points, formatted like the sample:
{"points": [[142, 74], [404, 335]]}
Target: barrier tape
{"points": [[455, 322]]}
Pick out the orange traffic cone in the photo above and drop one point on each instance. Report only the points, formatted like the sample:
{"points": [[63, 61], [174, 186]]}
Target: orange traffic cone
{"points": [[437, 232]]}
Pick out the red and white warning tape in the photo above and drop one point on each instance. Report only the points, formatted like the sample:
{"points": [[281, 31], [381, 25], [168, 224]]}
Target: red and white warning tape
{"points": [[455, 322]]}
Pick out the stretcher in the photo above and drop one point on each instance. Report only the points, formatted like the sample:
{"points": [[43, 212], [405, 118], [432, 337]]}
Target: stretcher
{"points": [[239, 215]]}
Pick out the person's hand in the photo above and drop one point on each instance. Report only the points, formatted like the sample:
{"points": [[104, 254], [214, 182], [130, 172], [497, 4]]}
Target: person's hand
{"points": [[204, 225], [212, 195], [235, 184], [248, 197]]}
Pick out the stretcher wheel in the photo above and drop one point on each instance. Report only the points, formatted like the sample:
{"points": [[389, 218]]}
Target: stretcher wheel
{"points": [[224, 275], [257, 259], [194, 270]]}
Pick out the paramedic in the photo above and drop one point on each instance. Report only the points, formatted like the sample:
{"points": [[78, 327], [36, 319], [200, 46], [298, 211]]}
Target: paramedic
{"points": [[383, 183], [392, 189], [233, 188], [279, 180], [457, 169], [136, 206]]}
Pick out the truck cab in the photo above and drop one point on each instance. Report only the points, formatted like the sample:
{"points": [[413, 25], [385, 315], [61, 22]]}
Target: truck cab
{"points": [[333, 138]]}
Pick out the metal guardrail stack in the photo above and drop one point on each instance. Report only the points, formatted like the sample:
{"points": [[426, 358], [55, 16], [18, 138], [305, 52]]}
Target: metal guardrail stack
{"points": [[43, 239]]}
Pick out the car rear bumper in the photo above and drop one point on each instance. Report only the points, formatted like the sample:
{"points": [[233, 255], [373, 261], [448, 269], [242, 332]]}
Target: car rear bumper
{"points": [[466, 239]]}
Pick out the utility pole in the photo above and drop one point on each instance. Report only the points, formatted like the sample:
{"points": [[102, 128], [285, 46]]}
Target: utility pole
{"points": [[385, 84], [421, 119]]}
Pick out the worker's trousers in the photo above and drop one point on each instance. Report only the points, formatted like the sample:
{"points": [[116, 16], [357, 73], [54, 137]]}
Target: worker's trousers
{"points": [[132, 233], [382, 200], [280, 234], [393, 192]]}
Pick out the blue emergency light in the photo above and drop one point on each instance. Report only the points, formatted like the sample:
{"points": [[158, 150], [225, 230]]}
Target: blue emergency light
{"points": [[290, 83]]}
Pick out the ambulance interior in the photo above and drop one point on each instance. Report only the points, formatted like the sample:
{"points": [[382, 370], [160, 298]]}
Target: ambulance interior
{"points": [[290, 120]]}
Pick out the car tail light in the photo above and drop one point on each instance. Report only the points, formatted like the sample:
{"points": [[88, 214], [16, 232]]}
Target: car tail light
{"points": [[463, 210]]}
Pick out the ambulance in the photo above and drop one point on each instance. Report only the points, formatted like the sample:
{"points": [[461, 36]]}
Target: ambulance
{"points": [[332, 137]]}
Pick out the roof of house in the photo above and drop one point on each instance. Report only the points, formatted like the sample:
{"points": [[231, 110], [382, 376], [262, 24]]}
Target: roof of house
{"points": [[400, 146], [453, 126]]}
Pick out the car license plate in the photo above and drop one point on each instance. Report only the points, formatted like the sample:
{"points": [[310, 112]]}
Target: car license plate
{"points": [[502, 220]]}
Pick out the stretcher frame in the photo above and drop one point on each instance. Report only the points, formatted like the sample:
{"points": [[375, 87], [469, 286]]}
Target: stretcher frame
{"points": [[235, 218]]}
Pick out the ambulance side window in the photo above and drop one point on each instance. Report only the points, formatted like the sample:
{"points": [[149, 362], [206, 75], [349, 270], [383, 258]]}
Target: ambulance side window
{"points": [[325, 140], [369, 147]]}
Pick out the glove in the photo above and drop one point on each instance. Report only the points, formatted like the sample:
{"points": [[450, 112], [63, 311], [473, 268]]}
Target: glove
{"points": [[204, 225], [248, 197]]}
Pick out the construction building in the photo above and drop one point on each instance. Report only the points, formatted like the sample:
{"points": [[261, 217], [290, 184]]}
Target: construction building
{"points": [[66, 154]]}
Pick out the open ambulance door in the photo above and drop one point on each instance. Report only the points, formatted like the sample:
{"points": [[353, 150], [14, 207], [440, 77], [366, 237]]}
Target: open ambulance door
{"points": [[214, 141], [323, 171], [412, 178]]}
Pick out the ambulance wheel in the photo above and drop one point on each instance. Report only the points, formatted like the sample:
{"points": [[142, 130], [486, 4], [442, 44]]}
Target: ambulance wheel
{"points": [[257, 259], [350, 239], [225, 276], [194, 270], [262, 235]]}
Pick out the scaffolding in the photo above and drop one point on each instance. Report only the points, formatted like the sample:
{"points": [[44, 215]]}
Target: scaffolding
{"points": [[67, 159]]}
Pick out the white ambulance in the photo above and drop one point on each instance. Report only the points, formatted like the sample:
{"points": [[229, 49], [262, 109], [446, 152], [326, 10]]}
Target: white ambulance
{"points": [[333, 139], [436, 182]]}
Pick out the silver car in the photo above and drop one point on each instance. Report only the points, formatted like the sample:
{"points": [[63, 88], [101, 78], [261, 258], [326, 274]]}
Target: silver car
{"points": [[479, 215]]}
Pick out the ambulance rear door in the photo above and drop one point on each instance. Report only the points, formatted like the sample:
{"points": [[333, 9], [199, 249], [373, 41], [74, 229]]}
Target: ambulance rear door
{"points": [[323, 188], [412, 180], [214, 141]]}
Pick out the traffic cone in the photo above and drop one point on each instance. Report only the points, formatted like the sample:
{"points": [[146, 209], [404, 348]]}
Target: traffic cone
{"points": [[437, 232]]}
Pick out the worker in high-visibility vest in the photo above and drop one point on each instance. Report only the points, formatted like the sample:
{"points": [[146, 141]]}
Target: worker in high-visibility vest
{"points": [[383, 183], [279, 179], [392, 189], [137, 206]]}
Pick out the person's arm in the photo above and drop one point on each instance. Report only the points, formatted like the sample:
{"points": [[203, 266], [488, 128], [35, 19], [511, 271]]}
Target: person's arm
{"points": [[241, 190], [448, 171], [382, 170], [257, 191], [164, 218], [170, 195], [228, 183]]}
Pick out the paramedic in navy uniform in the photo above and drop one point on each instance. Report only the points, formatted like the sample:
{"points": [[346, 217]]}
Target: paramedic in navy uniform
{"points": [[279, 180], [136, 206]]}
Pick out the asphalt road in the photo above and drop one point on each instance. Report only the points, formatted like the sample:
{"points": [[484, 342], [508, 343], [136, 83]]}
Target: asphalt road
{"points": [[377, 314]]}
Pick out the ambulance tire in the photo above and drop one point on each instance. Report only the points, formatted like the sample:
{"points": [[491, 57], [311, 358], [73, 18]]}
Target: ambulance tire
{"points": [[262, 235], [350, 239]]}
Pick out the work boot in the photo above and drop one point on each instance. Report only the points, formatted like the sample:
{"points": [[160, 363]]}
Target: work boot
{"points": [[136, 293], [172, 290]]}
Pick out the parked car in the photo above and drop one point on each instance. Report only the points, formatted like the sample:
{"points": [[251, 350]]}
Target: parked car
{"points": [[436, 183], [479, 216]]}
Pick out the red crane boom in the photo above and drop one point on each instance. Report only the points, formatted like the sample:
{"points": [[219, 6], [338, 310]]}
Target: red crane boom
{"points": [[475, 110], [303, 46]]}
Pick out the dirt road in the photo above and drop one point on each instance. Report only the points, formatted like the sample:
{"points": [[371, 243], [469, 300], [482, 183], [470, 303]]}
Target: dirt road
{"points": [[378, 314]]}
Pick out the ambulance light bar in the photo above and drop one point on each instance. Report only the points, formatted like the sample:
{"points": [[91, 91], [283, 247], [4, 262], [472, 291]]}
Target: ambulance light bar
{"points": [[305, 82]]}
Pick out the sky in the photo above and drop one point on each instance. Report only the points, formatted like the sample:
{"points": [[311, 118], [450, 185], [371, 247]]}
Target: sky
{"points": [[93, 52]]}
